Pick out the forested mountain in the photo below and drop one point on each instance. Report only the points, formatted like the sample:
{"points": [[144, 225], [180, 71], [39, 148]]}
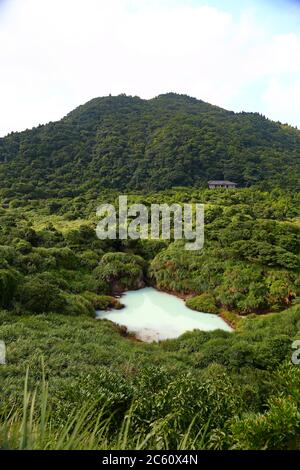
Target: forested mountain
{"points": [[128, 143]]}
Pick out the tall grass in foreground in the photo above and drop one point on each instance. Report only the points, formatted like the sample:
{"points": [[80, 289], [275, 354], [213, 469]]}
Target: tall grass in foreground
{"points": [[87, 428]]}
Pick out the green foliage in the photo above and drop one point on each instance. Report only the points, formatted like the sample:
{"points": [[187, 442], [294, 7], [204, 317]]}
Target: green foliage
{"points": [[125, 142], [8, 285], [7, 254], [103, 302], [75, 305], [64, 257], [203, 303], [122, 271], [212, 390], [279, 425], [245, 264], [39, 295], [233, 319], [88, 426], [209, 390], [89, 259]]}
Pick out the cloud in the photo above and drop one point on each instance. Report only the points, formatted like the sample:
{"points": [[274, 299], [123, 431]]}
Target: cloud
{"points": [[57, 54], [282, 99]]}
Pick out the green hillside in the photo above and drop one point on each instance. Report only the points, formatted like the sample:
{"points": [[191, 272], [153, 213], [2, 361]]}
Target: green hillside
{"points": [[128, 143], [73, 382]]}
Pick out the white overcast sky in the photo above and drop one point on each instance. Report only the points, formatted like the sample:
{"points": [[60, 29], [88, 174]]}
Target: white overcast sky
{"points": [[58, 54]]}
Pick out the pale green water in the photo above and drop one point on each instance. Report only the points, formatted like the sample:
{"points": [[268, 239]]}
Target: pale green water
{"points": [[154, 316]]}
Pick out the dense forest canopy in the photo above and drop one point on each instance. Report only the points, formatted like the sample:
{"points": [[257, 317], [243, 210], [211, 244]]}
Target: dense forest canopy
{"points": [[127, 143]]}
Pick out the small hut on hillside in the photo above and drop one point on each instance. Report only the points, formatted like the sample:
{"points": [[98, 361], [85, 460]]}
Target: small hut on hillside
{"points": [[221, 184]]}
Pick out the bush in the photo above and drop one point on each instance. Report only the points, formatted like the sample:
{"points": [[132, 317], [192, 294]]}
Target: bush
{"points": [[76, 305], [103, 302], [65, 258], [203, 303], [7, 256], [23, 247], [38, 295], [39, 259], [8, 285], [122, 271], [89, 259]]}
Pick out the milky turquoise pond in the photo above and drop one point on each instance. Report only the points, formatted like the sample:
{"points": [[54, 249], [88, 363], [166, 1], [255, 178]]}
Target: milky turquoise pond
{"points": [[155, 316]]}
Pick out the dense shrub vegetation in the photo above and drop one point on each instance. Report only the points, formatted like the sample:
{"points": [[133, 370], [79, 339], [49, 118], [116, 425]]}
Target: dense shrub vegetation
{"points": [[212, 390], [203, 303], [249, 264]]}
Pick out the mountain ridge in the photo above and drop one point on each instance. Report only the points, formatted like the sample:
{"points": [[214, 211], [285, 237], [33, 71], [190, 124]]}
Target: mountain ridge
{"points": [[125, 143]]}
